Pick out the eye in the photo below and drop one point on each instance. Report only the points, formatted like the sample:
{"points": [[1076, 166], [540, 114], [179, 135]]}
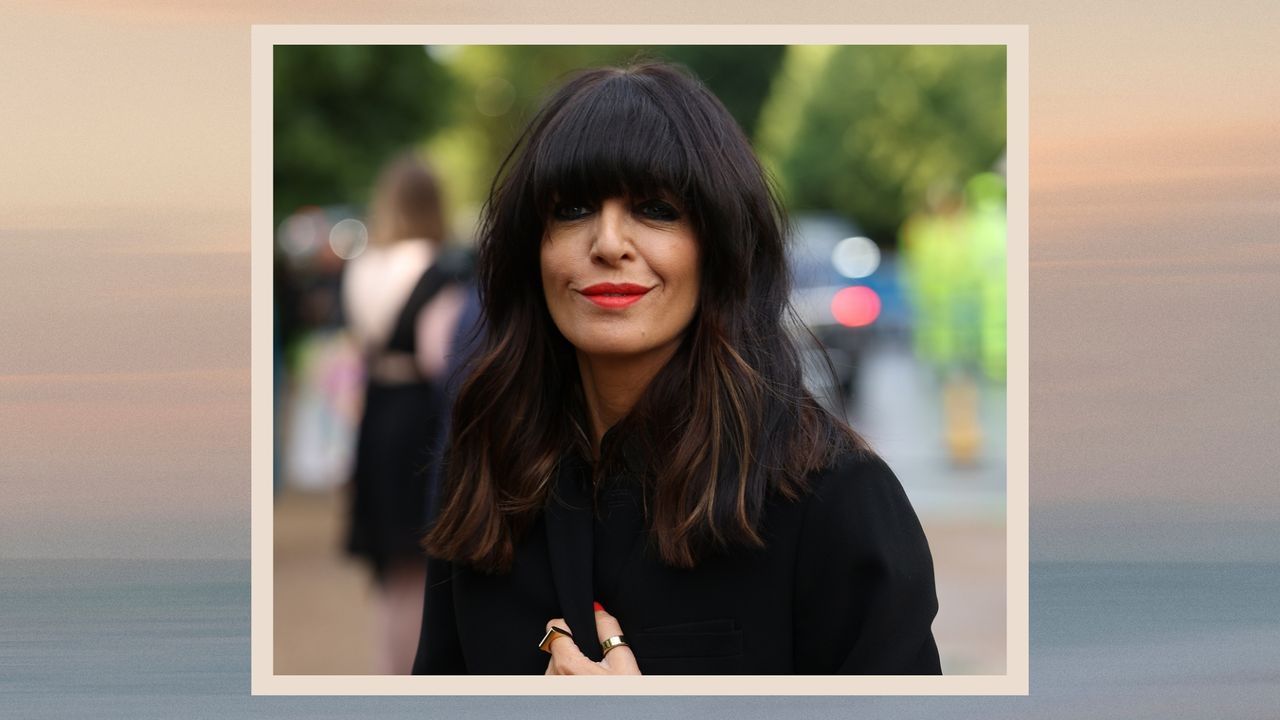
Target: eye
{"points": [[658, 210], [569, 211]]}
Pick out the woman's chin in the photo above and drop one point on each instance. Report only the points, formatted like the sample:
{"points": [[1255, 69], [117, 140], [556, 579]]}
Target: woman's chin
{"points": [[615, 350], [620, 349]]}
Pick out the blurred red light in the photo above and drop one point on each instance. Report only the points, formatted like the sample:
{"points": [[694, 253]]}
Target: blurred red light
{"points": [[856, 306]]}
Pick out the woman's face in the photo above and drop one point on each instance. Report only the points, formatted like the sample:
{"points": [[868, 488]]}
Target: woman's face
{"points": [[621, 279]]}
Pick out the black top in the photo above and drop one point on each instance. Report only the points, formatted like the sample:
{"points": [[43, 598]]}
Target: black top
{"points": [[399, 435], [844, 585]]}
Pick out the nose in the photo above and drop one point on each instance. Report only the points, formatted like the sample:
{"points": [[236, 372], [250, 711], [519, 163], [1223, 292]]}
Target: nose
{"points": [[611, 240]]}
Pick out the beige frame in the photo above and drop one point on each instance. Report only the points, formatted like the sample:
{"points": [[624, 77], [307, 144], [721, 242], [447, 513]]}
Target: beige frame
{"points": [[1015, 679]]}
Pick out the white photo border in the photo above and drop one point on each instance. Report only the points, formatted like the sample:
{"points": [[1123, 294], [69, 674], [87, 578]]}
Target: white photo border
{"points": [[1015, 681]]}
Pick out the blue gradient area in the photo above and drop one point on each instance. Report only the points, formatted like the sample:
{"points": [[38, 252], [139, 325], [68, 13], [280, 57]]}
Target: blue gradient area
{"points": [[164, 639]]}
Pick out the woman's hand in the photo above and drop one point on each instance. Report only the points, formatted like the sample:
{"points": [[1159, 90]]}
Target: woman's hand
{"points": [[567, 659]]}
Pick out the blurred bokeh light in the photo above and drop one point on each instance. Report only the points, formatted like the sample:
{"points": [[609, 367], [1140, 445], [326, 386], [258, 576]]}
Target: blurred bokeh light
{"points": [[855, 306]]}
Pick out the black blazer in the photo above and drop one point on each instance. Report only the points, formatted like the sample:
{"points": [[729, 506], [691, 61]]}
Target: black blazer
{"points": [[844, 585]]}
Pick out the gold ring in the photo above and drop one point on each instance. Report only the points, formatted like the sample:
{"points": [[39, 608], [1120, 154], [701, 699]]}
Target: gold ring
{"points": [[616, 641], [552, 633]]}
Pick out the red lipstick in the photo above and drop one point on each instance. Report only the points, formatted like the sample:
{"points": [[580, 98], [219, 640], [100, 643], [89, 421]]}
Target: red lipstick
{"points": [[609, 295]]}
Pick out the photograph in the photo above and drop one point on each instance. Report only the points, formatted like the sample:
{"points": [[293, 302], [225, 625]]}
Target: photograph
{"points": [[639, 360]]}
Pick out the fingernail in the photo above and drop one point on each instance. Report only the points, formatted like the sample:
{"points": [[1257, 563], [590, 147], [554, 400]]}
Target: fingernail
{"points": [[599, 607]]}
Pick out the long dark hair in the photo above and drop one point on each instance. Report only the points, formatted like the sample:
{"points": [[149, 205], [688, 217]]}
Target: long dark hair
{"points": [[726, 422]]}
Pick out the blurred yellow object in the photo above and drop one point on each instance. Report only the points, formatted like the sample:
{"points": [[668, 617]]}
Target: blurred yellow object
{"points": [[960, 409]]}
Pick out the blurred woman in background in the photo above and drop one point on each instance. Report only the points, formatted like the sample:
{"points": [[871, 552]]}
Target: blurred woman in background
{"points": [[401, 302]]}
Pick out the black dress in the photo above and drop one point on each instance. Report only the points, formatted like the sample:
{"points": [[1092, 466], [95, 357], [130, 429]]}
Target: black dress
{"points": [[398, 442], [844, 586]]}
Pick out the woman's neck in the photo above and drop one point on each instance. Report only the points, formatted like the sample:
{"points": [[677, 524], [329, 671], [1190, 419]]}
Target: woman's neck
{"points": [[612, 385]]}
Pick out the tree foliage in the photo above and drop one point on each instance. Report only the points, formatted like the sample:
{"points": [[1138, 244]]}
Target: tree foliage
{"points": [[341, 111], [872, 131], [867, 131]]}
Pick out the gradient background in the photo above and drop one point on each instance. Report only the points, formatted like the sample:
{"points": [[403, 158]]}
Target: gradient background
{"points": [[1155, 269]]}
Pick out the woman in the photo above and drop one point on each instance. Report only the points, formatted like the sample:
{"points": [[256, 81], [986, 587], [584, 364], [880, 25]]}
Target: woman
{"points": [[633, 454], [400, 299]]}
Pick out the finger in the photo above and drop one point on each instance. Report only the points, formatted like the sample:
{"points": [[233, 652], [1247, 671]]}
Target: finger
{"points": [[559, 623], [566, 658], [552, 668], [620, 659]]}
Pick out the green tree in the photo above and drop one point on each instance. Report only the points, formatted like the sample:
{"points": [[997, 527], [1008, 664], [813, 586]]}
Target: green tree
{"points": [[341, 111], [871, 131]]}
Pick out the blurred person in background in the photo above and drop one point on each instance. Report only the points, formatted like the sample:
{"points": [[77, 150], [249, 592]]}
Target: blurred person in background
{"points": [[954, 252], [633, 448], [401, 298]]}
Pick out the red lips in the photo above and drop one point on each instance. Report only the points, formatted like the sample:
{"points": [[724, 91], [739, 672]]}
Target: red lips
{"points": [[610, 295]]}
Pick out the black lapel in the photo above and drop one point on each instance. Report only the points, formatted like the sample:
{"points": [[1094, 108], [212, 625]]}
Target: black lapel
{"points": [[570, 527]]}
